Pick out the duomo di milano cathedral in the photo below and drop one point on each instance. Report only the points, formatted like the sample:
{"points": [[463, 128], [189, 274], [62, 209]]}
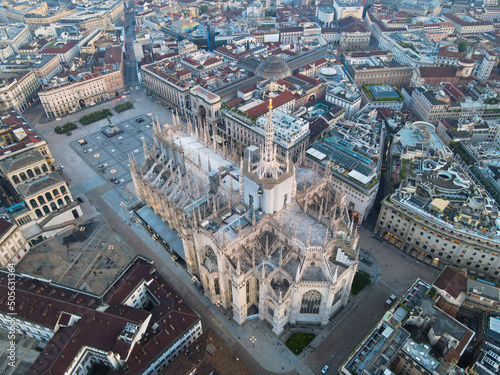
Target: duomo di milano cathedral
{"points": [[277, 244]]}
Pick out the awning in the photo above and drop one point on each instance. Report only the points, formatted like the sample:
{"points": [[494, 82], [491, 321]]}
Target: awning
{"points": [[166, 233]]}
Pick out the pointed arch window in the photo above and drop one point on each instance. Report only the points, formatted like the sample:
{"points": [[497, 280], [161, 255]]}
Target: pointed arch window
{"points": [[311, 302]]}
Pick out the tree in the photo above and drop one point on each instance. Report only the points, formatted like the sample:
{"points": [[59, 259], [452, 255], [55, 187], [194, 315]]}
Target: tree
{"points": [[203, 9], [462, 46]]}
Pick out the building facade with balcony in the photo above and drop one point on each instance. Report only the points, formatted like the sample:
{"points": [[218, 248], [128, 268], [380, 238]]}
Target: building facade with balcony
{"points": [[165, 87], [13, 245], [65, 98], [427, 236], [20, 92]]}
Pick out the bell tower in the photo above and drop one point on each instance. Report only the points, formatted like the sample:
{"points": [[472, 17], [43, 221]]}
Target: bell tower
{"points": [[268, 184]]}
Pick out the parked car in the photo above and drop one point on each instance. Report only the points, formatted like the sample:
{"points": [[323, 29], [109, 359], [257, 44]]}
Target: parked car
{"points": [[69, 133], [325, 369]]}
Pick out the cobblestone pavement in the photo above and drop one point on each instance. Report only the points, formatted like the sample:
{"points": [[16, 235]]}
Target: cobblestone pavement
{"points": [[109, 157]]}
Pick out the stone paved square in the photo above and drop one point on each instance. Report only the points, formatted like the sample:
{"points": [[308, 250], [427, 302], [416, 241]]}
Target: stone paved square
{"points": [[112, 153]]}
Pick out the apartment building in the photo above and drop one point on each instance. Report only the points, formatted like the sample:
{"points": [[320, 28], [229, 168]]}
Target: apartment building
{"points": [[419, 230], [117, 330], [353, 172], [90, 21], [18, 136], [468, 25], [36, 20], [114, 10], [397, 75], [484, 61], [392, 347], [345, 96], [45, 67], [433, 106], [14, 35], [13, 245], [18, 93], [291, 34], [245, 126], [165, 87], [65, 51], [68, 97]]}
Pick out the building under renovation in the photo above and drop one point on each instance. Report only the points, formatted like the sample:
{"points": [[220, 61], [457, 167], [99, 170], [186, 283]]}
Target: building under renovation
{"points": [[274, 242]]}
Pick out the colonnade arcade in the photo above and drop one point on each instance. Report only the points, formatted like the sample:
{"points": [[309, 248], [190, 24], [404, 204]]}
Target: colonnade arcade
{"points": [[50, 200]]}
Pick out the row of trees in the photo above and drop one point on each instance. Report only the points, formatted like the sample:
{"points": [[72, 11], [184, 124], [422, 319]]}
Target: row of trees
{"points": [[95, 116], [65, 128], [123, 106]]}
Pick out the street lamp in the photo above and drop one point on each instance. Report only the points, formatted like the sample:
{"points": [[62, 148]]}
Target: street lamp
{"points": [[253, 340]]}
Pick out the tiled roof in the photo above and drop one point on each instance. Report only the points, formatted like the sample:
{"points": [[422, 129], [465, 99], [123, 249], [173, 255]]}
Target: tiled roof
{"points": [[22, 161], [452, 281], [4, 226], [437, 71], [34, 187], [62, 49], [263, 108], [47, 304], [113, 55]]}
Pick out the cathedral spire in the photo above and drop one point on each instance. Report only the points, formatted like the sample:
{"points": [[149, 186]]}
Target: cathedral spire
{"points": [[268, 149], [145, 147], [325, 242], [195, 221], [241, 180]]}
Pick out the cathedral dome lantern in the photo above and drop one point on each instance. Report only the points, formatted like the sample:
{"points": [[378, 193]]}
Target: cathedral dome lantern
{"points": [[268, 183]]}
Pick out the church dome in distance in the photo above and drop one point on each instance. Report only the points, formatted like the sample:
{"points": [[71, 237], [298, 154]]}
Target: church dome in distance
{"points": [[273, 67]]}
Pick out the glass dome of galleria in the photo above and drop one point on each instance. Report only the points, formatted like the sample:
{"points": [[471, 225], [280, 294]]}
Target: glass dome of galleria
{"points": [[273, 67]]}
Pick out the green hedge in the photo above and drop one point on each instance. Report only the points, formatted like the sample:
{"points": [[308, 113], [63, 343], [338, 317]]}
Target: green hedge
{"points": [[123, 107], [65, 128], [361, 280], [298, 341], [95, 116]]}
